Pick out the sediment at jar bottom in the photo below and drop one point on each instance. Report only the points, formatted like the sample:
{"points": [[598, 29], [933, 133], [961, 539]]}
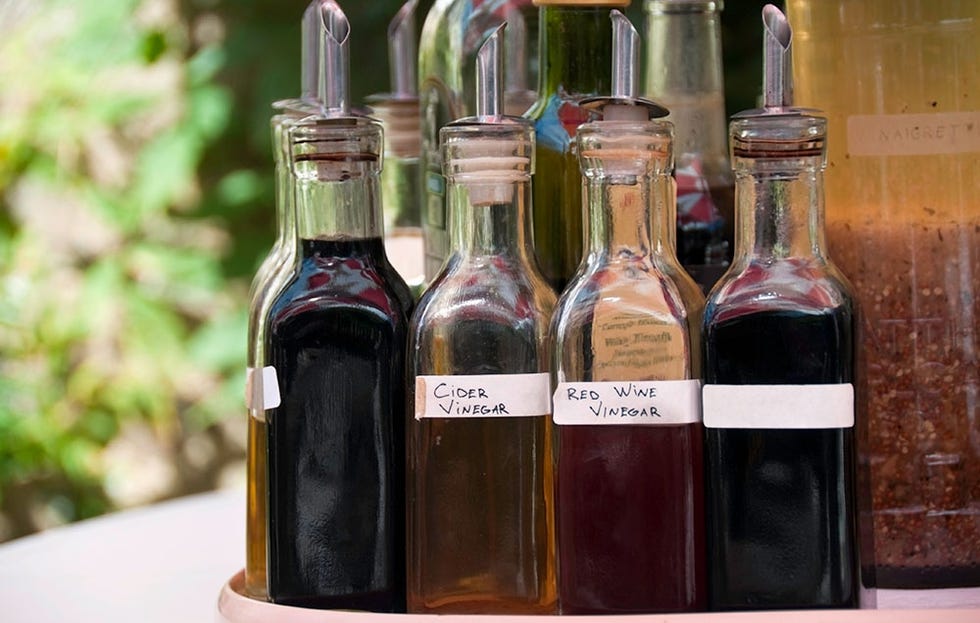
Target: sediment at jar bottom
{"points": [[918, 285]]}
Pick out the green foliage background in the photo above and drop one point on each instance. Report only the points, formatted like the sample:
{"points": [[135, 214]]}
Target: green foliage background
{"points": [[135, 201]]}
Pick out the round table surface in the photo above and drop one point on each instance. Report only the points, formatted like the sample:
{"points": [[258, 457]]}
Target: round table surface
{"points": [[165, 562]]}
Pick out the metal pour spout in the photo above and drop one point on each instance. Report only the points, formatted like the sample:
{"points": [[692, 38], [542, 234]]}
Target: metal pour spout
{"points": [[403, 51], [626, 56], [310, 52], [777, 60], [489, 74], [334, 59]]}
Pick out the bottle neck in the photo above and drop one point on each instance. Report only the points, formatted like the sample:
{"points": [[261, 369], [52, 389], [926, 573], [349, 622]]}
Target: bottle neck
{"points": [[490, 218], [684, 72], [779, 207], [331, 208], [575, 50], [285, 214], [630, 216]]}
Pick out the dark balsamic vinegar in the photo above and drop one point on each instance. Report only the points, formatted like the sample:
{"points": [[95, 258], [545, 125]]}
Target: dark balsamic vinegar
{"points": [[779, 501], [336, 442]]}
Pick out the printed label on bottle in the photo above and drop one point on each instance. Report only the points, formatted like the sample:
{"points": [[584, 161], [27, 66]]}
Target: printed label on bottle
{"points": [[913, 135], [261, 390], [482, 395], [778, 406], [628, 402]]}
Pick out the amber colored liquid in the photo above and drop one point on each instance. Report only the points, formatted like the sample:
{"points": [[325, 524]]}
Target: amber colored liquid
{"points": [[481, 535], [256, 515]]}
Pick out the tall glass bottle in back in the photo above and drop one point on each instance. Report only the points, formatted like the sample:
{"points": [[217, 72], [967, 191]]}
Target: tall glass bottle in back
{"points": [[574, 60], [900, 85], [626, 333], [336, 341], [779, 370], [453, 31], [684, 72], [398, 112], [480, 476], [274, 272]]}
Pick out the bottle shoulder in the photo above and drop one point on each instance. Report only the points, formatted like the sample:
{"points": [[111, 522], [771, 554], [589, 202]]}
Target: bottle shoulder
{"points": [[790, 285], [492, 291], [361, 284]]}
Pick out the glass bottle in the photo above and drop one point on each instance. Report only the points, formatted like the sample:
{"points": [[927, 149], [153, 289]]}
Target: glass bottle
{"points": [[274, 272], [451, 35], [626, 333], [336, 341], [900, 85], [778, 398], [480, 475], [574, 60], [684, 72], [627, 352], [398, 112]]}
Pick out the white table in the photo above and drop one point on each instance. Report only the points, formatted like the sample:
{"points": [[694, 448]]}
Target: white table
{"points": [[165, 562]]}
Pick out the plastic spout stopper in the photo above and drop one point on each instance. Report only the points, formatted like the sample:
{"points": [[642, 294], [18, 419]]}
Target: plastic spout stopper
{"points": [[403, 51], [489, 76]]}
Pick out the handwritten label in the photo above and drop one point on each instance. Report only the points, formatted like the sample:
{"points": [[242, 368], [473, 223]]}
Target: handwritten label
{"points": [[261, 390], [662, 403], [483, 395], [778, 406], [913, 135]]}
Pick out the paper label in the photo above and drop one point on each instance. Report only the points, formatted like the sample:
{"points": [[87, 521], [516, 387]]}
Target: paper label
{"points": [[482, 395], [628, 402], [261, 390], [778, 406], [913, 135]]}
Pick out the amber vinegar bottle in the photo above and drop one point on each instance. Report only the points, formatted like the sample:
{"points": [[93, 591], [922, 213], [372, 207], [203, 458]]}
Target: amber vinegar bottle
{"points": [[480, 476]]}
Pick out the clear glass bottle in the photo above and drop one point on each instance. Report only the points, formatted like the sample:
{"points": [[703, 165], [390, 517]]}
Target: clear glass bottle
{"points": [[336, 347], [684, 73], [778, 400], [626, 333], [274, 272], [575, 55], [480, 474], [398, 112], [899, 82], [451, 35]]}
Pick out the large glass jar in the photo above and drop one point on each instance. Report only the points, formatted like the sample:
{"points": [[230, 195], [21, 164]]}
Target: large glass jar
{"points": [[900, 84]]}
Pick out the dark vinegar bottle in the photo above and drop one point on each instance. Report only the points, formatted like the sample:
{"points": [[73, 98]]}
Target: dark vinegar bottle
{"points": [[779, 370], [337, 338]]}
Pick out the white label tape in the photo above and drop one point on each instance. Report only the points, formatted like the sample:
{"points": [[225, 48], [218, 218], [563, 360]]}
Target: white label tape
{"points": [[261, 389], [778, 406], [482, 395], [661, 403]]}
